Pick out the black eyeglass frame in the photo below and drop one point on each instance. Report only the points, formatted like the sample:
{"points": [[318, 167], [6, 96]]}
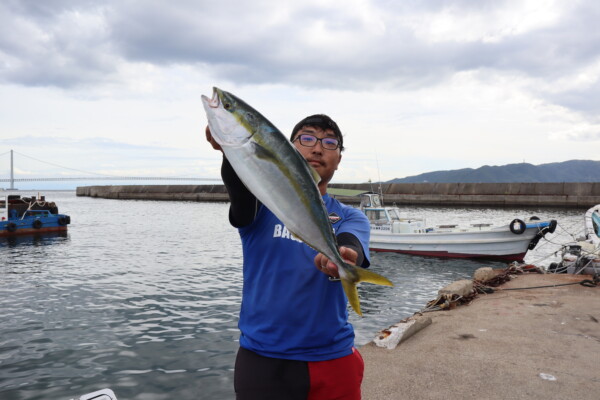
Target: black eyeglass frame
{"points": [[337, 141]]}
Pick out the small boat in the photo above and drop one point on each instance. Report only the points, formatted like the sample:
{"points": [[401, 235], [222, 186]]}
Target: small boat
{"points": [[30, 216], [582, 256], [104, 394], [392, 230]]}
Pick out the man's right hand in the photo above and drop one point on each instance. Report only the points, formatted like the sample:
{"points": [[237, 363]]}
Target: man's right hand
{"points": [[212, 140]]}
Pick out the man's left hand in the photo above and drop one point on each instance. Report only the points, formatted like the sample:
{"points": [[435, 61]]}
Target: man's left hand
{"points": [[326, 266]]}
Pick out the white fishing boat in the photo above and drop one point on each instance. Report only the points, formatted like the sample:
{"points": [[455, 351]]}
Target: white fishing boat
{"points": [[394, 231], [582, 256]]}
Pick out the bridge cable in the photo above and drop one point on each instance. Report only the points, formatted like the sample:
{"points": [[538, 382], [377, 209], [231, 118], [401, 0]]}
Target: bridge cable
{"points": [[61, 166]]}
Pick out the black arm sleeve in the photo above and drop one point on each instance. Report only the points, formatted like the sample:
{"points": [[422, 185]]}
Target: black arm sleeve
{"points": [[349, 240], [244, 206]]}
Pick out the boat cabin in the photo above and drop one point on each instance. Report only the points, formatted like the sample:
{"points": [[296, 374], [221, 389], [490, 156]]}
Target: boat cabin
{"points": [[389, 219]]}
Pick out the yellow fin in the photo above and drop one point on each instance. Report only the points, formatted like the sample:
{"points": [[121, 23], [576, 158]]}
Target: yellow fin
{"points": [[362, 275], [315, 175], [352, 295]]}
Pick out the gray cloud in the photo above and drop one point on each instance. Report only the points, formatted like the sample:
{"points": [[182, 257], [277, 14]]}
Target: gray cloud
{"points": [[65, 44], [88, 144], [51, 43]]}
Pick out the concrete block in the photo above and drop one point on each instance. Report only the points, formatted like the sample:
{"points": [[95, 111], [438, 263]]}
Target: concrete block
{"points": [[397, 188], [577, 189], [465, 188], [548, 188], [392, 336], [484, 274], [588, 201], [460, 288]]}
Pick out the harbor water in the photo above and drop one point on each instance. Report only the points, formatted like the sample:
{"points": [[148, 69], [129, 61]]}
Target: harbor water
{"points": [[142, 297]]}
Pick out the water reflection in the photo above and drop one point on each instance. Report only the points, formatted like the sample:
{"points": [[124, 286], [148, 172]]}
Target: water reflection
{"points": [[35, 239]]}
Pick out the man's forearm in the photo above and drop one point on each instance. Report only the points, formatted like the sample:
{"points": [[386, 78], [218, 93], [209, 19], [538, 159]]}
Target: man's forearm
{"points": [[244, 205], [349, 240]]}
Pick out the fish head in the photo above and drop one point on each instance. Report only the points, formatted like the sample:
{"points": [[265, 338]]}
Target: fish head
{"points": [[232, 122]]}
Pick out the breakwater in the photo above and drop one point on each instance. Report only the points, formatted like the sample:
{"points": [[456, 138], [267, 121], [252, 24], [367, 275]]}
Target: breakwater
{"points": [[561, 194]]}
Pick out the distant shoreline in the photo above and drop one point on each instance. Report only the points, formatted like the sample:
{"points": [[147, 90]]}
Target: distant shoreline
{"points": [[561, 194]]}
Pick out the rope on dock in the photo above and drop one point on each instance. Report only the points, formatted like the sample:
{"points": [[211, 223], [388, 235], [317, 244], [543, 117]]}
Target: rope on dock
{"points": [[449, 302]]}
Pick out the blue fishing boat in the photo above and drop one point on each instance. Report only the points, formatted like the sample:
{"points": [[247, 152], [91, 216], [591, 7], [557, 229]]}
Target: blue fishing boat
{"points": [[30, 216]]}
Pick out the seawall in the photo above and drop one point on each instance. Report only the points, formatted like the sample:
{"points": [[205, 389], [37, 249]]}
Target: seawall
{"points": [[157, 192], [560, 194]]}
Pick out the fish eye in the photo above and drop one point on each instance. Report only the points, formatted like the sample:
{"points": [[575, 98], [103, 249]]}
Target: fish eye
{"points": [[227, 105]]}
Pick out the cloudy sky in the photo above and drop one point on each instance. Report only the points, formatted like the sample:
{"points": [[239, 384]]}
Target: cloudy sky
{"points": [[113, 87]]}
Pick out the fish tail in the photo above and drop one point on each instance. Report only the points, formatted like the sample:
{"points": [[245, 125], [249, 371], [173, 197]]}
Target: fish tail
{"points": [[361, 275], [352, 295], [364, 275]]}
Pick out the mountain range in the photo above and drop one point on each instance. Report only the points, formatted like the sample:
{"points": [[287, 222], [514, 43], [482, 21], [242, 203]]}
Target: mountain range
{"points": [[566, 171]]}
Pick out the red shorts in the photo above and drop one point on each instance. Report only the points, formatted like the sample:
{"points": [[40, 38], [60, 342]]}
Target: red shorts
{"points": [[336, 379], [257, 377]]}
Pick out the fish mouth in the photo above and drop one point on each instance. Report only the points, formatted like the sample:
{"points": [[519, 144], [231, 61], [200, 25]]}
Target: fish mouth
{"points": [[213, 102]]}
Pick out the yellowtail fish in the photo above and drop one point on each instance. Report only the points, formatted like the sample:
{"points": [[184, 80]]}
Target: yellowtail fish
{"points": [[281, 179]]}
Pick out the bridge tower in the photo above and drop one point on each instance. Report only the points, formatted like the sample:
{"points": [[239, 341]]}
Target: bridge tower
{"points": [[12, 174]]}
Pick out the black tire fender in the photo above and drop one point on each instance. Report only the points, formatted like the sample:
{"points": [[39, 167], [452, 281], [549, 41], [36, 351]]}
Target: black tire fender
{"points": [[11, 227], [62, 221], [37, 224], [517, 226], [552, 226]]}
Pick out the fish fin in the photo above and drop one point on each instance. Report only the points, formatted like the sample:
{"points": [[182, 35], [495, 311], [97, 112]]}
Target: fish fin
{"points": [[352, 295], [315, 175], [262, 152], [361, 275], [364, 275]]}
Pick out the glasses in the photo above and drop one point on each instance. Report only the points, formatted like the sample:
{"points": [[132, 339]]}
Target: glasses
{"points": [[328, 143]]}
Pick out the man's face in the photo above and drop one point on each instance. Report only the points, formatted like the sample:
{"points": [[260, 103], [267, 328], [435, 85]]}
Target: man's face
{"points": [[324, 161]]}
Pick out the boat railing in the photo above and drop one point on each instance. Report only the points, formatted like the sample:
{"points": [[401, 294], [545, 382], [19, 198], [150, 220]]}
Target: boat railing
{"points": [[483, 225], [36, 213], [4, 208]]}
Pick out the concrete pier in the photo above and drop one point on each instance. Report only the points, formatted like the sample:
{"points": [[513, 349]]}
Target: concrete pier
{"points": [[541, 343], [565, 194], [157, 192]]}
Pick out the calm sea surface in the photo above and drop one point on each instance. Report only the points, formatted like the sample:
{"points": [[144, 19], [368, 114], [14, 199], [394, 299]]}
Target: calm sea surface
{"points": [[142, 297]]}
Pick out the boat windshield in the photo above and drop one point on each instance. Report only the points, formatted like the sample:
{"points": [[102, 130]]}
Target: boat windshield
{"points": [[376, 215], [394, 215]]}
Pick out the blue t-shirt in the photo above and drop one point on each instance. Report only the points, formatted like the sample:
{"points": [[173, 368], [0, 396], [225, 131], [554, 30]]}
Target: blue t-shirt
{"points": [[290, 309]]}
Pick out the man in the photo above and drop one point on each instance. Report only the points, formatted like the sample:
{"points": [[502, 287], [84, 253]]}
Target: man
{"points": [[296, 342]]}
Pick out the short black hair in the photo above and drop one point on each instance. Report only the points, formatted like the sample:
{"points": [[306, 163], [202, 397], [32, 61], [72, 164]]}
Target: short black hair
{"points": [[320, 121]]}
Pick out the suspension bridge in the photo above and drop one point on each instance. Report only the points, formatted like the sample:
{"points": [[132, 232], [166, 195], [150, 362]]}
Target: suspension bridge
{"points": [[92, 176]]}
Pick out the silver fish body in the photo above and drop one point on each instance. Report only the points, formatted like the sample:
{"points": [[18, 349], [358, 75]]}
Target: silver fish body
{"points": [[276, 173]]}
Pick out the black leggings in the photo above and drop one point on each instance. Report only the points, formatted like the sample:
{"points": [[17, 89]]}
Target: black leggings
{"points": [[263, 378]]}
